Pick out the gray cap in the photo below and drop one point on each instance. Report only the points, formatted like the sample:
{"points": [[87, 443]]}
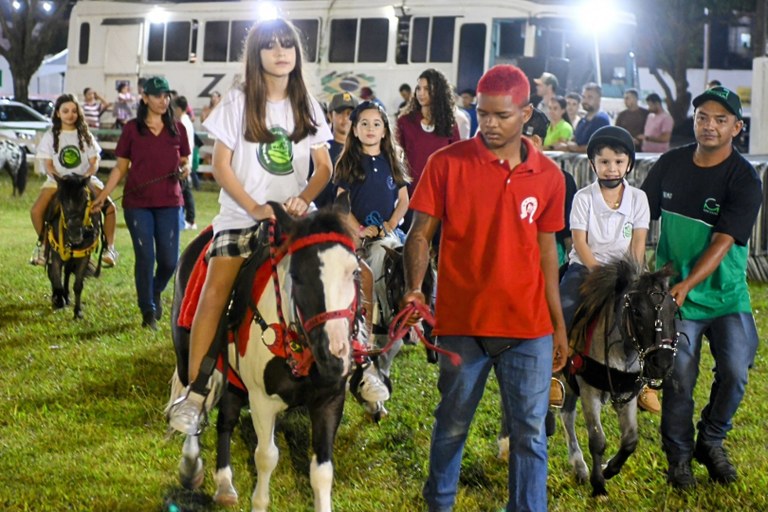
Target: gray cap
{"points": [[342, 101]]}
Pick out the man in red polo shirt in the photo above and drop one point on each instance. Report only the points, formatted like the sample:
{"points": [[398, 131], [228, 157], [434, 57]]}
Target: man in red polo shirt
{"points": [[499, 202]]}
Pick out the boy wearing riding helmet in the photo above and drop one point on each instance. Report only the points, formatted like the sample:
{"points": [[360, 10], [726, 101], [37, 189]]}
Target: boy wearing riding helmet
{"points": [[609, 219]]}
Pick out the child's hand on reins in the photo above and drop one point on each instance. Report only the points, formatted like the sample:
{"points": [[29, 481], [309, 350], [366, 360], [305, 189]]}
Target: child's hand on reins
{"points": [[296, 206]]}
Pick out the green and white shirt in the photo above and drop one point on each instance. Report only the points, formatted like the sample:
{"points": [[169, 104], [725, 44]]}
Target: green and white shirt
{"points": [[693, 203]]}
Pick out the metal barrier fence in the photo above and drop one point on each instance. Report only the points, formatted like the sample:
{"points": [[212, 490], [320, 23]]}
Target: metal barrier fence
{"points": [[757, 266]]}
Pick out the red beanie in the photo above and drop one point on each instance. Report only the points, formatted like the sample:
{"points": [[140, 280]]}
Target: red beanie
{"points": [[505, 79]]}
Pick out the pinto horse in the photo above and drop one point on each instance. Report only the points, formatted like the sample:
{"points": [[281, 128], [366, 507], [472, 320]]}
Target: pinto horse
{"points": [[73, 233], [624, 337], [13, 159], [316, 297]]}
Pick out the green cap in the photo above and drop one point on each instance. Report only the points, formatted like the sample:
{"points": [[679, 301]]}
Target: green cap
{"points": [[156, 86], [724, 96]]}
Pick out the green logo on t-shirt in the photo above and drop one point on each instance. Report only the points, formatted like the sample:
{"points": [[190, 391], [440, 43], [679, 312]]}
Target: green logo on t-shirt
{"points": [[711, 206], [70, 157], [277, 157], [627, 230]]}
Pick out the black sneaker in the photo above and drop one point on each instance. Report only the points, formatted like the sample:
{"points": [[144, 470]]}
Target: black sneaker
{"points": [[715, 458], [158, 307], [148, 320], [680, 475]]}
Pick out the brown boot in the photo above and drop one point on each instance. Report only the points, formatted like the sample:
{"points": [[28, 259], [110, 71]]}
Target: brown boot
{"points": [[648, 400], [556, 393]]}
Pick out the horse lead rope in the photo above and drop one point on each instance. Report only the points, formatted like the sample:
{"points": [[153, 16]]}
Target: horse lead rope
{"points": [[399, 328]]}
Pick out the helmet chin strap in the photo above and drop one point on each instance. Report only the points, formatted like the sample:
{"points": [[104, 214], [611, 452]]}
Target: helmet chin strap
{"points": [[611, 183]]}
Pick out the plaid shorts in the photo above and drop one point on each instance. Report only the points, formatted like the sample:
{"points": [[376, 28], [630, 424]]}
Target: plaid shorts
{"points": [[239, 242]]}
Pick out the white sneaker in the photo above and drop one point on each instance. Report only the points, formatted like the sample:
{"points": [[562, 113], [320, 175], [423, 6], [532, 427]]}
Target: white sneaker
{"points": [[185, 413], [188, 225], [109, 258], [371, 387], [38, 256]]}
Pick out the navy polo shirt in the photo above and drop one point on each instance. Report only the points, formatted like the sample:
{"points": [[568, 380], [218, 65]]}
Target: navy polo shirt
{"points": [[373, 199]]}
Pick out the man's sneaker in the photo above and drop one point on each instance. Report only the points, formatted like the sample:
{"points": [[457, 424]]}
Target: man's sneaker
{"points": [[38, 256], [556, 393], [109, 258], [371, 387], [148, 320], [185, 413], [680, 475], [715, 458], [190, 225], [648, 400]]}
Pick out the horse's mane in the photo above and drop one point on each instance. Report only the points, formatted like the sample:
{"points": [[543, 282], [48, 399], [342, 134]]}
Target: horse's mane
{"points": [[600, 290], [324, 220]]}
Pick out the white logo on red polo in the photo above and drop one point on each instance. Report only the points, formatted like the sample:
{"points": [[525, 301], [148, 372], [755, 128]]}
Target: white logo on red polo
{"points": [[528, 208]]}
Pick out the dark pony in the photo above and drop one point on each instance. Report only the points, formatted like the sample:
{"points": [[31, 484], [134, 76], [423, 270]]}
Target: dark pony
{"points": [[318, 301], [623, 337], [13, 159], [73, 234]]}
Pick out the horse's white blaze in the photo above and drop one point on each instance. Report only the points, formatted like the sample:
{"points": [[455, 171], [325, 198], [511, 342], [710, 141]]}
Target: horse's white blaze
{"points": [[337, 267], [321, 479]]}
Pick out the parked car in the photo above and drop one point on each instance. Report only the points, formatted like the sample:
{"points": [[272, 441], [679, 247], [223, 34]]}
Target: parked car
{"points": [[22, 124]]}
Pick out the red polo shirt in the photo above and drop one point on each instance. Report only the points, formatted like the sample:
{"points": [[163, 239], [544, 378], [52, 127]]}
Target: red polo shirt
{"points": [[490, 281]]}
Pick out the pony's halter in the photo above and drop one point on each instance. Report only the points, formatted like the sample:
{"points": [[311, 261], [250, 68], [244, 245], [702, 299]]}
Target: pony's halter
{"points": [[662, 348], [349, 312], [58, 241], [291, 336]]}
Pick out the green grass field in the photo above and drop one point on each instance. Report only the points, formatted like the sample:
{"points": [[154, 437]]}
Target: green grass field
{"points": [[81, 424]]}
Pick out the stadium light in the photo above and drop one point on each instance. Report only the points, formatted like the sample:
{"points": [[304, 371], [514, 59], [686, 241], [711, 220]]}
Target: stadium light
{"points": [[158, 15], [266, 11]]}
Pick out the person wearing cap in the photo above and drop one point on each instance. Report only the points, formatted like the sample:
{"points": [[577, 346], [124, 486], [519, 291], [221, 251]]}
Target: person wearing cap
{"points": [[499, 203], [707, 196], [341, 106], [593, 120], [546, 89], [658, 126], [633, 117], [153, 152]]}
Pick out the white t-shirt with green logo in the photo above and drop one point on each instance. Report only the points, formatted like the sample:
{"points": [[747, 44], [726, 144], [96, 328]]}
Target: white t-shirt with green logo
{"points": [[69, 159], [268, 172]]}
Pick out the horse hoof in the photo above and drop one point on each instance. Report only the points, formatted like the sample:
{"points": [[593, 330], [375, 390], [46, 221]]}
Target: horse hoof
{"points": [[227, 498], [191, 479], [78, 315]]}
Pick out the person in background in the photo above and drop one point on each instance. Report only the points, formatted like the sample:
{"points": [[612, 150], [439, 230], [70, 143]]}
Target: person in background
{"points": [[215, 99], [497, 307], [713, 83], [546, 89], [123, 107], [269, 112], [367, 94], [427, 125], [69, 148], [341, 106], [633, 117], [463, 122], [658, 127], [94, 105], [153, 152], [405, 93], [559, 131], [592, 121], [707, 196], [180, 105], [572, 108], [468, 104]]}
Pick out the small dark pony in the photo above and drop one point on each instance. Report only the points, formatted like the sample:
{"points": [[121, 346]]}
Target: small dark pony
{"points": [[624, 337], [13, 159], [318, 300], [72, 234]]}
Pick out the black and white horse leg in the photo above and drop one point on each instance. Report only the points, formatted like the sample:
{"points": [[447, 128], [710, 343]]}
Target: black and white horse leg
{"points": [[229, 414], [325, 416], [592, 405], [264, 411], [575, 455], [627, 414]]}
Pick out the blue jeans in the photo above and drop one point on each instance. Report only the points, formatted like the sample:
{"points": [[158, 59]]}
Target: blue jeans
{"points": [[523, 372], [570, 296], [733, 342], [155, 236]]}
